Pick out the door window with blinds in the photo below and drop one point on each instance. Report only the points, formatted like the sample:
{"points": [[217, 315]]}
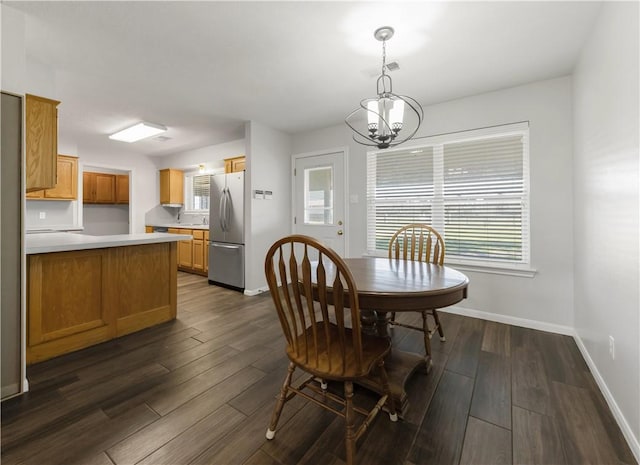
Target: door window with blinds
{"points": [[197, 192], [472, 187]]}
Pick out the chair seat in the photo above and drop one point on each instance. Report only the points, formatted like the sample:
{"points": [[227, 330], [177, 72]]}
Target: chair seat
{"points": [[330, 362]]}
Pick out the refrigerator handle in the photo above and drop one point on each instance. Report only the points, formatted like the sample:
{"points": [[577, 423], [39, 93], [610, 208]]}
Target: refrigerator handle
{"points": [[227, 209], [221, 210]]}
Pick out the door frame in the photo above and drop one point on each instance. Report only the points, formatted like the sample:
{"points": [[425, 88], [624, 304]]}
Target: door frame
{"points": [[344, 150]]}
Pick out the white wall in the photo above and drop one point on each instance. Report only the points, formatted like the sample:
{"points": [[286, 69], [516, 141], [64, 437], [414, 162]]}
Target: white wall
{"points": [[268, 168], [13, 65], [211, 155], [103, 220], [547, 297], [606, 198]]}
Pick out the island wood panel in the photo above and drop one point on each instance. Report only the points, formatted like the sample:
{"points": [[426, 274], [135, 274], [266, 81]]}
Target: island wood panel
{"points": [[68, 305], [80, 298], [146, 282]]}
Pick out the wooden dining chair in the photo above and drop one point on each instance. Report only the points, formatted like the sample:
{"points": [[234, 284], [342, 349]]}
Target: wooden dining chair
{"points": [[421, 243], [316, 300]]}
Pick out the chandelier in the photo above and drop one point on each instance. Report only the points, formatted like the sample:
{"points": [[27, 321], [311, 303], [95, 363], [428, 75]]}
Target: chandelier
{"points": [[388, 113]]}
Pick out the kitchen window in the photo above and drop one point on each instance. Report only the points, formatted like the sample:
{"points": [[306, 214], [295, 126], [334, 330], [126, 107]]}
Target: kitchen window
{"points": [[197, 193], [472, 186]]}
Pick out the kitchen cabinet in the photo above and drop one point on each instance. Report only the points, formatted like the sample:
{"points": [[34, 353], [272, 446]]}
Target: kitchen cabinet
{"points": [[41, 142], [171, 187], [234, 164], [66, 187], [98, 187], [198, 250], [122, 188], [185, 250], [148, 229], [193, 255]]}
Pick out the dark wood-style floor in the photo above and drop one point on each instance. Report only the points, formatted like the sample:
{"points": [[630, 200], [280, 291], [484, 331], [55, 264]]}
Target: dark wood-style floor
{"points": [[200, 390]]}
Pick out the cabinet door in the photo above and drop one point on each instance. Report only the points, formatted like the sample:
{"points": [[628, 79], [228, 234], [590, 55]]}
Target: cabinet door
{"points": [[41, 142], [185, 250], [122, 188], [35, 195], [148, 229], [105, 188], [88, 183], [238, 164], [67, 185], [198, 254], [171, 186]]}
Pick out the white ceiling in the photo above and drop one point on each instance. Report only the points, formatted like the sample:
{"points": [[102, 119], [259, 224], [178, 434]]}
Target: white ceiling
{"points": [[203, 68]]}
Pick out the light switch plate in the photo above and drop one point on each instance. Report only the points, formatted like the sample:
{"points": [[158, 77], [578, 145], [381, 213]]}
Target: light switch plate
{"points": [[43, 215]]}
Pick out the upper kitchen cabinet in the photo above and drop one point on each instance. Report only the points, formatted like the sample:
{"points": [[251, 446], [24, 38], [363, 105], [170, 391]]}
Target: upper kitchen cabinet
{"points": [[41, 137], [98, 187], [171, 187], [66, 187], [122, 188], [232, 165]]}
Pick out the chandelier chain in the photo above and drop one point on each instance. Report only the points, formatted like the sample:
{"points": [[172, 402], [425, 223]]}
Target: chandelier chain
{"points": [[384, 56]]}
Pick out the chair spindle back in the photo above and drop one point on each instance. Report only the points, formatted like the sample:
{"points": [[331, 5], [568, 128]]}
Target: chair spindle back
{"points": [[311, 297], [417, 242]]}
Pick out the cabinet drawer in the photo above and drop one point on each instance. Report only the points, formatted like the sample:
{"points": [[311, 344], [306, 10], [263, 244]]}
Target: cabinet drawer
{"points": [[198, 234]]}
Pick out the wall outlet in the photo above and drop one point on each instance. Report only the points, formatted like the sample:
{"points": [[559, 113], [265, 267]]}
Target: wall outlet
{"points": [[612, 347], [43, 215]]}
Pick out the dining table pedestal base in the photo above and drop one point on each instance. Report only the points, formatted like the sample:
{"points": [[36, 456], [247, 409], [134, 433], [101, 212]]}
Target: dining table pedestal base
{"points": [[399, 366]]}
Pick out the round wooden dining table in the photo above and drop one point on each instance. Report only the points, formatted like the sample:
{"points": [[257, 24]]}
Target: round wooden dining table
{"points": [[390, 285]]}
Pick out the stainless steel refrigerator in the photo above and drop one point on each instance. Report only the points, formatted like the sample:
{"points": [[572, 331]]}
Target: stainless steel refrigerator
{"points": [[226, 230]]}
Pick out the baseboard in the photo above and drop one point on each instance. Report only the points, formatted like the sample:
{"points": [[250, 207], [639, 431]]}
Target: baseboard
{"points": [[627, 432], [252, 292], [10, 391], [510, 320], [632, 440]]}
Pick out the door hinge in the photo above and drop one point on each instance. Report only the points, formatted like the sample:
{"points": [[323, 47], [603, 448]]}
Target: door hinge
{"points": [[295, 171], [295, 220]]}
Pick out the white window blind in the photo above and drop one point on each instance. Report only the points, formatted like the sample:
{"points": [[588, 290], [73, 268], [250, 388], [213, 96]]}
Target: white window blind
{"points": [[197, 192], [400, 191], [473, 191]]}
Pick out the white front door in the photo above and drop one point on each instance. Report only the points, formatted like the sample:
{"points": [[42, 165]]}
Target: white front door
{"points": [[319, 198]]}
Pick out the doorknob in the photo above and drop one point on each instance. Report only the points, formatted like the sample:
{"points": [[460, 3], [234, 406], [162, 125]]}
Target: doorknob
{"points": [[340, 233]]}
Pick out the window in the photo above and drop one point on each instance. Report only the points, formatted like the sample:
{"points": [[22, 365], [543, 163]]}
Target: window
{"points": [[473, 187], [197, 192]]}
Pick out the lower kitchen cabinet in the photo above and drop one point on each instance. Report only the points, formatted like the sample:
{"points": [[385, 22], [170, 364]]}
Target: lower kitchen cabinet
{"points": [[198, 250], [193, 256]]}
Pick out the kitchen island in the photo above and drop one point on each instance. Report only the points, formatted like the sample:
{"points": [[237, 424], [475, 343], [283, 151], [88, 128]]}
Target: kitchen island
{"points": [[83, 290]]}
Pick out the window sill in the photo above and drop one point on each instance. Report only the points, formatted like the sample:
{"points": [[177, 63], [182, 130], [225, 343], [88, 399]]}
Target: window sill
{"points": [[521, 271], [507, 270]]}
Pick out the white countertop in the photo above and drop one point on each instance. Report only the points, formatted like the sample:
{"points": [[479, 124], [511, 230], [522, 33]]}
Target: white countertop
{"points": [[63, 242], [180, 225]]}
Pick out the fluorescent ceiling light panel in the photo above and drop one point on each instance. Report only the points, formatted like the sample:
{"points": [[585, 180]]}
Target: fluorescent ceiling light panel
{"points": [[138, 132]]}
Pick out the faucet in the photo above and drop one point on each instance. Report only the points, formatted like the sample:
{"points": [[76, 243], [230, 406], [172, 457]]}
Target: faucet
{"points": [[178, 220], [204, 220]]}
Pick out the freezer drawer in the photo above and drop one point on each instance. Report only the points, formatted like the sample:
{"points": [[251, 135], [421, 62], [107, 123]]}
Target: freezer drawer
{"points": [[226, 265]]}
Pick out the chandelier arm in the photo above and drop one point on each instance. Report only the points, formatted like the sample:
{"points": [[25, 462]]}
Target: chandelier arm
{"points": [[346, 120]]}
